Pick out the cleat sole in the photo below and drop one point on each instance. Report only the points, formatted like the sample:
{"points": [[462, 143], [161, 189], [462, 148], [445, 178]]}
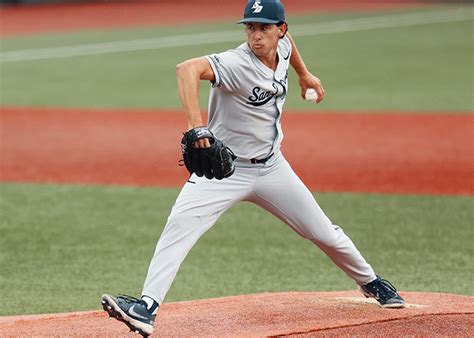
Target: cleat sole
{"points": [[393, 306]]}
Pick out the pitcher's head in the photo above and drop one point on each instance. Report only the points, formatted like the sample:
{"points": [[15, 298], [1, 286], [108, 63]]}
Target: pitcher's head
{"points": [[264, 25]]}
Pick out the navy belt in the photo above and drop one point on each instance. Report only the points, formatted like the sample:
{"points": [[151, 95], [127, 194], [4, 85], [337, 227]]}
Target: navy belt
{"points": [[262, 160]]}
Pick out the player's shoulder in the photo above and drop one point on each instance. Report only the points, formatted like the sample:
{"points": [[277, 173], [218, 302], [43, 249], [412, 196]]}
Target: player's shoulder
{"points": [[235, 57], [240, 53]]}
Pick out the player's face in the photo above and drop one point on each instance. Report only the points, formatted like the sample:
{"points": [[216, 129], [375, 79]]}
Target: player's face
{"points": [[262, 38]]}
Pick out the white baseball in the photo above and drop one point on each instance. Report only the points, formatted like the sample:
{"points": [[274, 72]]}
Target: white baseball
{"points": [[311, 95]]}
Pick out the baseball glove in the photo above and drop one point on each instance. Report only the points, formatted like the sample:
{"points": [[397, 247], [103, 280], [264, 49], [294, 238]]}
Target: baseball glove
{"points": [[217, 161]]}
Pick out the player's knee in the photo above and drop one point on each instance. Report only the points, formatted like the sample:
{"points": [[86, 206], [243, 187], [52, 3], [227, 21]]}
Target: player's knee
{"points": [[188, 222], [331, 238], [323, 241]]}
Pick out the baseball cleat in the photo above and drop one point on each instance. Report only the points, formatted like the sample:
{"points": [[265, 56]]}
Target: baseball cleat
{"points": [[384, 292], [131, 311]]}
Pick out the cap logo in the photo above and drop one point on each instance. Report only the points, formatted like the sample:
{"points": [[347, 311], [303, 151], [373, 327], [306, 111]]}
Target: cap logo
{"points": [[257, 7]]}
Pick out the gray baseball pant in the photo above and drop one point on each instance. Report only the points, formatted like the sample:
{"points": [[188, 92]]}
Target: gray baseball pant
{"points": [[273, 186]]}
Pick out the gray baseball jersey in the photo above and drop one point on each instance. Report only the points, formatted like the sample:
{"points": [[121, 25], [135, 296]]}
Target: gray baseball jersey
{"points": [[246, 100]]}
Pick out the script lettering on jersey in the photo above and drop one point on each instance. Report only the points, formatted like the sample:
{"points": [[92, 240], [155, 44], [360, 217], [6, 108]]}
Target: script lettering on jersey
{"points": [[260, 97]]}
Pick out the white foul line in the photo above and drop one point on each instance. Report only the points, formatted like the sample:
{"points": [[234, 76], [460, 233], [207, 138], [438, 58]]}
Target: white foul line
{"points": [[368, 23]]}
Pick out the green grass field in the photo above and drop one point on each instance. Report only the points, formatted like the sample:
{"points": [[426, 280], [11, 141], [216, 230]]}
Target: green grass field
{"points": [[415, 68], [61, 247]]}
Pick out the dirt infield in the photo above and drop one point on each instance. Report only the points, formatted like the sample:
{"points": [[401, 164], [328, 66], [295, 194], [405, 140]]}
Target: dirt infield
{"points": [[384, 153], [30, 20], [301, 314]]}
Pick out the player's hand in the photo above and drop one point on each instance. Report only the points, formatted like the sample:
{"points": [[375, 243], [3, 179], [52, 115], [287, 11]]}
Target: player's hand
{"points": [[205, 155], [202, 143], [307, 81]]}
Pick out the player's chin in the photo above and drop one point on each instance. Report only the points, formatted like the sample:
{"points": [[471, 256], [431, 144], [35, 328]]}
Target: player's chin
{"points": [[258, 50]]}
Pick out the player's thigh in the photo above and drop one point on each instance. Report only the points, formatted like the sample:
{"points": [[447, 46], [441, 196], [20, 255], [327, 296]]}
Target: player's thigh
{"points": [[283, 193], [202, 197]]}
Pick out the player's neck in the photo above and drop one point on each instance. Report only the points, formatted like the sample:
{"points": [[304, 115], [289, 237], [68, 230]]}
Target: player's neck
{"points": [[270, 60]]}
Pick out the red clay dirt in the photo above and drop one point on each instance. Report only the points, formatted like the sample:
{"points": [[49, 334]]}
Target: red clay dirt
{"points": [[40, 19], [273, 314], [336, 152]]}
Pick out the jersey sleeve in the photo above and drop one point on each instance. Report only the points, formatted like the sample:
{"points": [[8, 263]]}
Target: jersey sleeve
{"points": [[225, 67]]}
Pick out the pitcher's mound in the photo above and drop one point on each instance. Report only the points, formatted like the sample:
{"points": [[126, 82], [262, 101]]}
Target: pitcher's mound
{"points": [[273, 314]]}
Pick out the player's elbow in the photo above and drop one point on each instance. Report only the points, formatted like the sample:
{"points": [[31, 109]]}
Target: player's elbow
{"points": [[198, 68], [183, 68], [179, 69]]}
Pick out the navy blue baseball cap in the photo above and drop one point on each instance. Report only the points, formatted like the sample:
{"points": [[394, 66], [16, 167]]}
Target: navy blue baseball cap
{"points": [[264, 11]]}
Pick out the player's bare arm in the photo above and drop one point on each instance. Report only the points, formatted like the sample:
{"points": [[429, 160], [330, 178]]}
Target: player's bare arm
{"points": [[189, 73], [306, 80]]}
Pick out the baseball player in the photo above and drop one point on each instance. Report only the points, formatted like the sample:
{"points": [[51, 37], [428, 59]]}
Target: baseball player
{"points": [[242, 143]]}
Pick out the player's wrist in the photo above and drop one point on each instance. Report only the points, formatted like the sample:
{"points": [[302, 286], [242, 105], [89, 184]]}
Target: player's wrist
{"points": [[196, 124], [303, 73]]}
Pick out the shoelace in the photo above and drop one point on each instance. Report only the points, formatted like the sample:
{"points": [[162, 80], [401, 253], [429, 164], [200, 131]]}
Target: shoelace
{"points": [[388, 289], [129, 299], [388, 284]]}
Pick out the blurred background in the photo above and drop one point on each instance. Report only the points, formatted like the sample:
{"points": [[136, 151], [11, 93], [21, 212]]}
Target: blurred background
{"points": [[89, 144]]}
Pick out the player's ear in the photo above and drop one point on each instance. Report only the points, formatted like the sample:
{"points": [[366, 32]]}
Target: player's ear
{"points": [[282, 29]]}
